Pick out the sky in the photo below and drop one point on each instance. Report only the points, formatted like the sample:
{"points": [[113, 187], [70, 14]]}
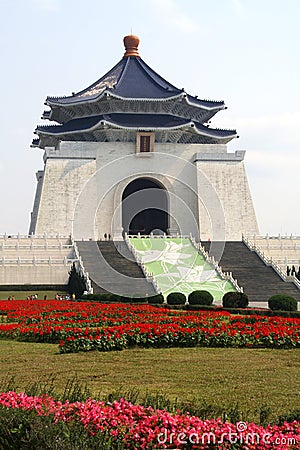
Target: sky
{"points": [[245, 52]]}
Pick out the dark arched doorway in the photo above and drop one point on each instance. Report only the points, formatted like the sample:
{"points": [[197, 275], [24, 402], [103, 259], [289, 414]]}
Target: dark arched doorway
{"points": [[145, 207]]}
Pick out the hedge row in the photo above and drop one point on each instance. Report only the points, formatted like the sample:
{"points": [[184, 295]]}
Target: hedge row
{"points": [[233, 301], [114, 298]]}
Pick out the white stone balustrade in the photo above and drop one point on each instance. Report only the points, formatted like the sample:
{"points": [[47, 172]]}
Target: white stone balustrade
{"points": [[253, 245], [81, 269], [211, 260]]}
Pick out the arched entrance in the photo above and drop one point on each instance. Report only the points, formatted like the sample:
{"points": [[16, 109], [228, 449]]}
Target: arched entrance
{"points": [[145, 207]]}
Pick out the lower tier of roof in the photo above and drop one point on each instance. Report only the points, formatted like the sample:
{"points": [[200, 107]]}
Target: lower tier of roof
{"points": [[123, 127], [109, 134]]}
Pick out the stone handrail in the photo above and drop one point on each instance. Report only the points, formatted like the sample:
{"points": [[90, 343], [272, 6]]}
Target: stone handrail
{"points": [[157, 236], [211, 260], [51, 261], [81, 269], [6, 236], [32, 245], [260, 236], [148, 275], [270, 262]]}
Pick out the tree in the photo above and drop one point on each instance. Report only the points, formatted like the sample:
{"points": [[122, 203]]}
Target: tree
{"points": [[76, 283]]}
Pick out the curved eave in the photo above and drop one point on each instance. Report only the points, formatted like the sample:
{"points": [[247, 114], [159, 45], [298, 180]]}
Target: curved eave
{"points": [[194, 111], [35, 143], [191, 127], [192, 101], [107, 93]]}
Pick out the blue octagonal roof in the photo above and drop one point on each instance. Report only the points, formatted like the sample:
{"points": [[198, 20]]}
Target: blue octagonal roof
{"points": [[131, 78]]}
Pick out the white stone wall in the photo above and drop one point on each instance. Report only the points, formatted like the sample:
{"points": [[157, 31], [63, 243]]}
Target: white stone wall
{"points": [[229, 180], [44, 260], [29, 274], [63, 181], [84, 182]]}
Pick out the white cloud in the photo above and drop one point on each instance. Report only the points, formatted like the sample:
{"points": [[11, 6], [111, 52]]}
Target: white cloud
{"points": [[275, 161], [282, 120], [237, 6], [273, 178], [169, 12], [47, 5], [270, 131]]}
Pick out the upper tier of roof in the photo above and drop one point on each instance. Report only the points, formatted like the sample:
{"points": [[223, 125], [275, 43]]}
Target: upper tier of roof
{"points": [[131, 78]]}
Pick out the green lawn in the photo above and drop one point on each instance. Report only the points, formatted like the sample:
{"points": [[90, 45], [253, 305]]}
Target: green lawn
{"points": [[22, 295], [218, 377]]}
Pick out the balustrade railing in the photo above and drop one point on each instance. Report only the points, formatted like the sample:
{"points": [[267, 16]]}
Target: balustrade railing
{"points": [[20, 236], [157, 236], [211, 260], [34, 246], [268, 237], [35, 261], [269, 261], [80, 267]]}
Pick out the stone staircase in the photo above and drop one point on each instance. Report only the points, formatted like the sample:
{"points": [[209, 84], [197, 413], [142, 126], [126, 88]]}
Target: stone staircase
{"points": [[259, 281], [112, 268]]}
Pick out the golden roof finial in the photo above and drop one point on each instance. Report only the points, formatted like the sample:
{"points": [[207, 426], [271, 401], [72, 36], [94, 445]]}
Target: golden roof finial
{"points": [[131, 44]]}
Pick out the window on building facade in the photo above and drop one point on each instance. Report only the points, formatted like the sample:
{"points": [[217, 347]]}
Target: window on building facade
{"points": [[144, 143]]}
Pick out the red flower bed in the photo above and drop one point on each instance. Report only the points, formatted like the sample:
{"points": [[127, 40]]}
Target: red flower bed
{"points": [[146, 428], [83, 326]]}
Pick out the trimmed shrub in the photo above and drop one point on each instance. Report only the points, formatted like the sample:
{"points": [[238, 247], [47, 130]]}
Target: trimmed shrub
{"points": [[200, 297], [230, 300], [101, 297], [282, 302], [138, 300], [243, 301], [156, 299], [176, 298], [203, 308], [127, 299], [87, 297], [235, 300], [114, 298]]}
